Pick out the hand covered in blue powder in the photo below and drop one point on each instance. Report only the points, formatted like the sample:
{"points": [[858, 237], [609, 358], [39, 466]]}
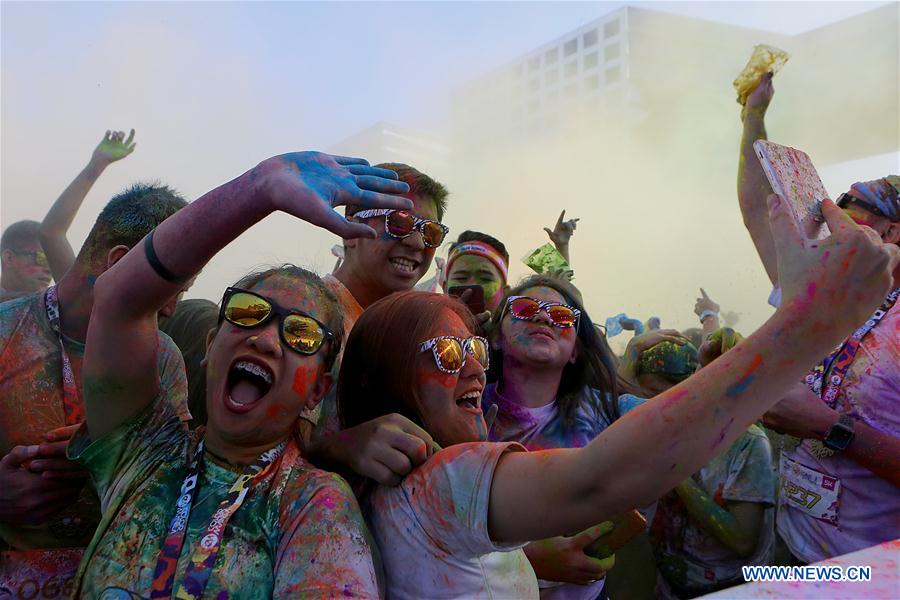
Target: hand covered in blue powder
{"points": [[310, 185]]}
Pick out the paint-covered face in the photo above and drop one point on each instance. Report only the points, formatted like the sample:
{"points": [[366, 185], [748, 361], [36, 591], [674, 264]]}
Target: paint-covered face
{"points": [[26, 268], [470, 269], [537, 343], [387, 264], [256, 386], [888, 231], [450, 404]]}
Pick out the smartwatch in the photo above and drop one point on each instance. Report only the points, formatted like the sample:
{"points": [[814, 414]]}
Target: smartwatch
{"points": [[841, 434]]}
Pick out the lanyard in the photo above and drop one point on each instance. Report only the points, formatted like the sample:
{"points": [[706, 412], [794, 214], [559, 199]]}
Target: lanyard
{"points": [[72, 404], [839, 362], [199, 568]]}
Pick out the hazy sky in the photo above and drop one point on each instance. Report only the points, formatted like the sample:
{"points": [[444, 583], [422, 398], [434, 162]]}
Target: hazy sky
{"points": [[214, 88]]}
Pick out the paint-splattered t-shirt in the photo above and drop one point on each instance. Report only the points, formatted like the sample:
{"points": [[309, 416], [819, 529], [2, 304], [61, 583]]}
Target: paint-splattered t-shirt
{"points": [[867, 510], [543, 428], [691, 558], [31, 404], [324, 415], [432, 530], [306, 538]]}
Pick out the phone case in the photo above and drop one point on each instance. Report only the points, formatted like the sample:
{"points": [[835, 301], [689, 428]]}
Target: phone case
{"points": [[625, 527], [793, 177]]}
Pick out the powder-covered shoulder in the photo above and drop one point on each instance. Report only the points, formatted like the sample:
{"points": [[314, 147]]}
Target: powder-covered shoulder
{"points": [[449, 496], [309, 483], [468, 454], [324, 548]]}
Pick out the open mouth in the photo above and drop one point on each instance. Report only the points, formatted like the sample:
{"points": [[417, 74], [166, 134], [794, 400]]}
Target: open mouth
{"points": [[470, 401], [248, 382], [405, 265]]}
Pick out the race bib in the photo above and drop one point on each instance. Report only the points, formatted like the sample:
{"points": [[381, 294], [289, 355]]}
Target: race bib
{"points": [[809, 491], [38, 574]]}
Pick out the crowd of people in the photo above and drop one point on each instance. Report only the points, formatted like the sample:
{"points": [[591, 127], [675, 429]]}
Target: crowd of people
{"points": [[363, 434]]}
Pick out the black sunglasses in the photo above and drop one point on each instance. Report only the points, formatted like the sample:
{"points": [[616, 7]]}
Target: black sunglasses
{"points": [[299, 331], [845, 200]]}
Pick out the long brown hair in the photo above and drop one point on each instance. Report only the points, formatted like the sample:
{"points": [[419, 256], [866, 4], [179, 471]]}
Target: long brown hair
{"points": [[595, 367], [378, 368]]}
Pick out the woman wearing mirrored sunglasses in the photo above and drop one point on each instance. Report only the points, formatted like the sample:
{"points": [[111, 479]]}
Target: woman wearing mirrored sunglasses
{"points": [[232, 510], [555, 385], [455, 526]]}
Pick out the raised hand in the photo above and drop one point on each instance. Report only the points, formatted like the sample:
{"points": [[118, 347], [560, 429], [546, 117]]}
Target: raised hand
{"points": [[759, 99], [567, 274], [705, 303], [562, 231], [835, 283], [310, 185], [113, 147]]}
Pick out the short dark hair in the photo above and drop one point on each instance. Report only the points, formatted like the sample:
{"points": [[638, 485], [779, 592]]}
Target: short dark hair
{"points": [[129, 217], [333, 313], [477, 236], [378, 367], [20, 234], [420, 184]]}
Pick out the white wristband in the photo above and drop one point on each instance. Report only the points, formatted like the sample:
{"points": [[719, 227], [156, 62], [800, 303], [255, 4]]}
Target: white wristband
{"points": [[707, 313]]}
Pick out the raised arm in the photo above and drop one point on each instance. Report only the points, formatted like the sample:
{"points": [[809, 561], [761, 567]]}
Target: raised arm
{"points": [[708, 312], [120, 374], [59, 252], [562, 234], [737, 526], [656, 446], [753, 187]]}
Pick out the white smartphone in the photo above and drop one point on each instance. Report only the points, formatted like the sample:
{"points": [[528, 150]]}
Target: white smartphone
{"points": [[794, 178]]}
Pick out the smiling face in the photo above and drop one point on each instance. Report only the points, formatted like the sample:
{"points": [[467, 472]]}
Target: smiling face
{"points": [[537, 343], [470, 269], [450, 404], [387, 264], [257, 386]]}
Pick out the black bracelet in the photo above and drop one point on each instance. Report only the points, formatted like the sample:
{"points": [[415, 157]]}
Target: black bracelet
{"points": [[155, 263]]}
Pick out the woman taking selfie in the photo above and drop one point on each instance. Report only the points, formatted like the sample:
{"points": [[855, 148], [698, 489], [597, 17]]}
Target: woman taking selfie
{"points": [[455, 526]]}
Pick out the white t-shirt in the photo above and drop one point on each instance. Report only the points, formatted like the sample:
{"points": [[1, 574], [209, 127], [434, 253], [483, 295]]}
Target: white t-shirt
{"points": [[433, 535]]}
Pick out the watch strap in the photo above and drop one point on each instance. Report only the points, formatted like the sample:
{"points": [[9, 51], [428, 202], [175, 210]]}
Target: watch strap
{"points": [[841, 434]]}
